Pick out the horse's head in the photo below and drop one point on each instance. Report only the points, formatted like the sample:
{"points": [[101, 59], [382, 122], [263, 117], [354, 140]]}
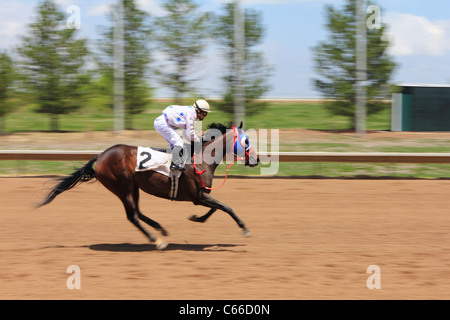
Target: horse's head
{"points": [[243, 148]]}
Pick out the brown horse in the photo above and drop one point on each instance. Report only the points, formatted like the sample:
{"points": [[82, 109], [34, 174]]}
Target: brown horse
{"points": [[115, 169]]}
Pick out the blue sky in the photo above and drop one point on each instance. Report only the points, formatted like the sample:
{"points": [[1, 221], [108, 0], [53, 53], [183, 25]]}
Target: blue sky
{"points": [[419, 30]]}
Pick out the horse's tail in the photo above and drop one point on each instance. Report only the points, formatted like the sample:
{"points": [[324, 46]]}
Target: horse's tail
{"points": [[83, 174]]}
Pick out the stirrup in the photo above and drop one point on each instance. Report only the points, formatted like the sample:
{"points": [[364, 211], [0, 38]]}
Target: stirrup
{"points": [[180, 167]]}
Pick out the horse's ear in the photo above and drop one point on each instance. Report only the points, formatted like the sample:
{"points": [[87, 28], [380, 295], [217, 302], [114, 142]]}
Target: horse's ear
{"points": [[241, 125]]}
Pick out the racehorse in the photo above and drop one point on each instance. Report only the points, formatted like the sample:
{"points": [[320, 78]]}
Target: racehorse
{"points": [[115, 169]]}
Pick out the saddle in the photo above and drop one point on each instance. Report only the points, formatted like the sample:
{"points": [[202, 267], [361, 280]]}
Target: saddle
{"points": [[161, 150]]}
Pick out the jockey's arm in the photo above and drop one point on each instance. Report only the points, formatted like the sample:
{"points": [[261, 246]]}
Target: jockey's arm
{"points": [[189, 132]]}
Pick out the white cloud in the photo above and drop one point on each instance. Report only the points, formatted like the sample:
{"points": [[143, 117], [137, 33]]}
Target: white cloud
{"points": [[14, 17], [99, 10], [271, 1], [415, 35], [10, 28], [151, 6], [64, 3]]}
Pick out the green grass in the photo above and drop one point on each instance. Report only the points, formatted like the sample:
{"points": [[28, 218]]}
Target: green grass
{"points": [[337, 170], [25, 120], [277, 115], [32, 167], [348, 170], [294, 115]]}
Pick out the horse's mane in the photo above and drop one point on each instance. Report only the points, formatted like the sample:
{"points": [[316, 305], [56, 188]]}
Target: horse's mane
{"points": [[211, 132]]}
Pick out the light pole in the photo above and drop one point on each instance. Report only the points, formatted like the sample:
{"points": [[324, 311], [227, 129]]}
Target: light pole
{"points": [[239, 60], [119, 78], [361, 67]]}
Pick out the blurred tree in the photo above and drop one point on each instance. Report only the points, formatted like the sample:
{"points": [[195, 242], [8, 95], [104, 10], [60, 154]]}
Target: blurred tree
{"points": [[137, 36], [256, 70], [335, 63], [52, 63], [6, 82], [181, 34]]}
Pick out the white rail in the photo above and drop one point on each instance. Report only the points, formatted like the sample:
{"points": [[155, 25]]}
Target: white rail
{"points": [[349, 157]]}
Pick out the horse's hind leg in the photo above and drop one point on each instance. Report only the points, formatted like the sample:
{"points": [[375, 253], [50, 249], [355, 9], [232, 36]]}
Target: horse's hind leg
{"points": [[133, 216], [146, 219], [153, 223]]}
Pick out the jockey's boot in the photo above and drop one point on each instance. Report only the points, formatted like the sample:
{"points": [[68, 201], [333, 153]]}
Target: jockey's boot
{"points": [[177, 159]]}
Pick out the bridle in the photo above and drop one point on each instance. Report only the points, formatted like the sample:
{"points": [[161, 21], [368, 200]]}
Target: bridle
{"points": [[247, 152]]}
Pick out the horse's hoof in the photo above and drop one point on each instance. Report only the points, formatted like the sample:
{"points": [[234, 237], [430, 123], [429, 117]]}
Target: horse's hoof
{"points": [[247, 233], [160, 244], [194, 218]]}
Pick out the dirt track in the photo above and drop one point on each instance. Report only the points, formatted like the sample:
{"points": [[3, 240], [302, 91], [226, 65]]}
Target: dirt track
{"points": [[312, 239]]}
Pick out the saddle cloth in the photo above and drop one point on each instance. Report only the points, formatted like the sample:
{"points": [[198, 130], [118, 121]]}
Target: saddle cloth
{"points": [[150, 159]]}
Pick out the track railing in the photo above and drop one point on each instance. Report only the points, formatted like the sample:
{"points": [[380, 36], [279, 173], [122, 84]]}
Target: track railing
{"points": [[349, 157]]}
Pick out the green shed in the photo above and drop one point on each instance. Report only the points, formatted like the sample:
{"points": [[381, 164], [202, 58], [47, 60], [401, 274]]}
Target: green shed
{"points": [[418, 107]]}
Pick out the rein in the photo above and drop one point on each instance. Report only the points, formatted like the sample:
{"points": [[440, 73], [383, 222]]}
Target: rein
{"points": [[199, 173]]}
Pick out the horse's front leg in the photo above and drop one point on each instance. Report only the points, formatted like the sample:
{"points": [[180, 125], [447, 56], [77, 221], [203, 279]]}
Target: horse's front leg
{"points": [[214, 204], [204, 217]]}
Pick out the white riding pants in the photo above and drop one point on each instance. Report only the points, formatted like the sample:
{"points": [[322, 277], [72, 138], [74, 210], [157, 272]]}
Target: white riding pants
{"points": [[168, 132]]}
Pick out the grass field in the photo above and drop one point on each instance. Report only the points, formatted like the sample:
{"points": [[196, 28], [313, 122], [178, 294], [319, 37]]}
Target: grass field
{"points": [[304, 126], [317, 170], [277, 115]]}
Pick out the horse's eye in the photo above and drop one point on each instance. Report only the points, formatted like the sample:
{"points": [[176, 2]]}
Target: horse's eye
{"points": [[245, 143]]}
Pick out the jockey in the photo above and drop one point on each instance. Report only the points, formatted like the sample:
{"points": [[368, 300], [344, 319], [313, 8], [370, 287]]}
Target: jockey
{"points": [[180, 117]]}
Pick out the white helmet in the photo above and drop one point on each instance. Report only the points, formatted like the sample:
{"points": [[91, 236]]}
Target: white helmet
{"points": [[202, 105]]}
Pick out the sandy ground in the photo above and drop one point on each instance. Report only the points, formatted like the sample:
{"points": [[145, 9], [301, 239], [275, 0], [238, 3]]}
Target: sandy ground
{"points": [[312, 239], [290, 140]]}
